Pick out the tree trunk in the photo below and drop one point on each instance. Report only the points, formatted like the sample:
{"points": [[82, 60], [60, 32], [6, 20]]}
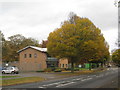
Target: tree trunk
{"points": [[102, 64], [72, 67], [89, 66]]}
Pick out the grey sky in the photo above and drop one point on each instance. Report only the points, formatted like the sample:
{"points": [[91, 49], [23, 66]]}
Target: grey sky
{"points": [[38, 18]]}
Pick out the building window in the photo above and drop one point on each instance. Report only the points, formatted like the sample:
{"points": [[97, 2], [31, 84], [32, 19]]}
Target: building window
{"points": [[35, 55], [60, 65], [63, 65], [66, 65], [30, 55], [25, 55]]}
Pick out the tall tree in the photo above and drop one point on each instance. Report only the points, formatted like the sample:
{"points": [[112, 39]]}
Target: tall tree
{"points": [[77, 39], [2, 40], [15, 43], [44, 44], [116, 56]]}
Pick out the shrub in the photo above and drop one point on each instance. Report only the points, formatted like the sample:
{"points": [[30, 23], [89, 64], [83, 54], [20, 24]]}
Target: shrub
{"points": [[67, 69], [57, 70], [40, 71], [53, 68], [48, 70], [76, 69], [63, 69]]}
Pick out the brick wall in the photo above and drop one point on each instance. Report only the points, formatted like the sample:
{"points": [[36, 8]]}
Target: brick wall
{"points": [[63, 63], [32, 60]]}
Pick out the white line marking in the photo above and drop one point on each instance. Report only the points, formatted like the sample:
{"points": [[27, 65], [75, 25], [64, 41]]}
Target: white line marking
{"points": [[65, 84], [53, 84], [86, 79], [83, 80], [41, 87], [56, 83], [89, 78], [76, 79]]}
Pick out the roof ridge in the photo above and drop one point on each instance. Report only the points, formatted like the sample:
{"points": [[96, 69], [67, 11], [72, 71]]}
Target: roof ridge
{"points": [[34, 47]]}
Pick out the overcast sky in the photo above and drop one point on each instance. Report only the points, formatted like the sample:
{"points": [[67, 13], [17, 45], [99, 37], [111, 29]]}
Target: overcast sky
{"points": [[38, 18]]}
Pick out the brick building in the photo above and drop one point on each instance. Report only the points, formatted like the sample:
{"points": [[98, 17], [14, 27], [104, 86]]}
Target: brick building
{"points": [[33, 58], [63, 63]]}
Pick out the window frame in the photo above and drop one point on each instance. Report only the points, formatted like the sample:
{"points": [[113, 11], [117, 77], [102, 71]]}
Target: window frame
{"points": [[30, 55], [35, 55], [25, 55]]}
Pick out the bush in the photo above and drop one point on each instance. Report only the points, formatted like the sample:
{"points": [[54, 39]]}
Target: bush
{"points": [[63, 69], [67, 69], [76, 69], [40, 71], [48, 70], [57, 70], [53, 68]]}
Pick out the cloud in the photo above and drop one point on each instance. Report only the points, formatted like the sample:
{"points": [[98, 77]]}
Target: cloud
{"points": [[37, 18]]}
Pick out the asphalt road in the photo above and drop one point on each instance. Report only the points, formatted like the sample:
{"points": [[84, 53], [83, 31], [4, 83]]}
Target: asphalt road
{"points": [[106, 79]]}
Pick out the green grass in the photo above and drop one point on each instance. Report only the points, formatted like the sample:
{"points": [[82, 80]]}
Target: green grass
{"points": [[79, 72], [83, 69], [21, 80], [75, 73], [8, 76]]}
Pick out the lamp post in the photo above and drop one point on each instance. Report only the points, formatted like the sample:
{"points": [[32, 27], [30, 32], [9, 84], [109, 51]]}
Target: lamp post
{"points": [[117, 4], [118, 24]]}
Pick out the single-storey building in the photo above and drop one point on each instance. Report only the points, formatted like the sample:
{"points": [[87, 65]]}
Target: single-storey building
{"points": [[63, 63], [33, 58]]}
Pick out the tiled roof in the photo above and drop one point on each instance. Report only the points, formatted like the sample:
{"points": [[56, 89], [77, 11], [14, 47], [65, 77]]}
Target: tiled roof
{"points": [[36, 48]]}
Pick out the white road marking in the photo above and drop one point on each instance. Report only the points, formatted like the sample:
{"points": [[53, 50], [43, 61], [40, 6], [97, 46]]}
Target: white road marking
{"points": [[86, 79], [54, 83], [89, 78], [41, 87], [98, 76], [76, 79], [65, 84], [94, 75], [83, 80]]}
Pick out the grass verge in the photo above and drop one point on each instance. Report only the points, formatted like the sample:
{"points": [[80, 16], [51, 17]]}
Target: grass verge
{"points": [[21, 80], [79, 72], [8, 76]]}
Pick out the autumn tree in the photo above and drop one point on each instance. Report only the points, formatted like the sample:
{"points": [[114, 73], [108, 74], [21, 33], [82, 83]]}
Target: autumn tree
{"points": [[116, 56], [15, 43], [2, 40], [44, 43], [78, 39]]}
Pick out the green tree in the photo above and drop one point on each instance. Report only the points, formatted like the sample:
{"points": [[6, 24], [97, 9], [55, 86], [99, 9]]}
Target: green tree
{"points": [[116, 56], [2, 40], [15, 43], [78, 39]]}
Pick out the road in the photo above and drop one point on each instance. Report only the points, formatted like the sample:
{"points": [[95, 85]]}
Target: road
{"points": [[105, 79]]}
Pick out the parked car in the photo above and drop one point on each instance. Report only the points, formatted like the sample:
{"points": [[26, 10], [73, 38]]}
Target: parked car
{"points": [[10, 69]]}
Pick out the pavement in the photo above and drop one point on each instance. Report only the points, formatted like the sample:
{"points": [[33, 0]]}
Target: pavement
{"points": [[106, 79], [30, 74], [46, 75]]}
